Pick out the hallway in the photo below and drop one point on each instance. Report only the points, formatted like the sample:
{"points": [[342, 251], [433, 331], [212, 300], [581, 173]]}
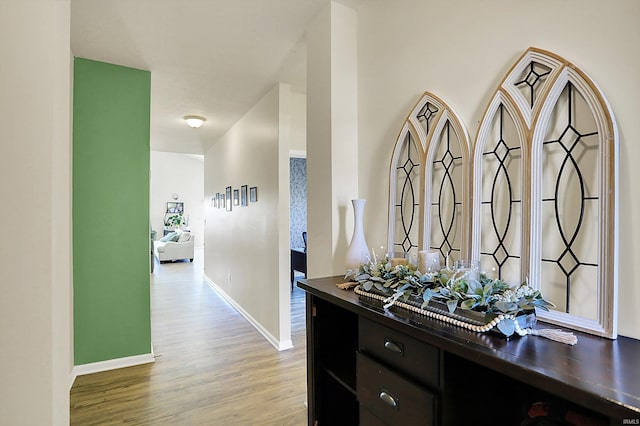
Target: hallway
{"points": [[211, 366]]}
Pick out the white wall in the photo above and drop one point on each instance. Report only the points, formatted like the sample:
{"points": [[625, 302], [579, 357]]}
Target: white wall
{"points": [[298, 140], [460, 50], [332, 137], [247, 249], [35, 276], [182, 174]]}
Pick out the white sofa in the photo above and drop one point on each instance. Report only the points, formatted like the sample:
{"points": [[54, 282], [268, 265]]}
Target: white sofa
{"points": [[181, 248]]}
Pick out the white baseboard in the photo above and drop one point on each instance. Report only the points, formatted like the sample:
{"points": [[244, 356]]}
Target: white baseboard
{"points": [[110, 364], [279, 345]]}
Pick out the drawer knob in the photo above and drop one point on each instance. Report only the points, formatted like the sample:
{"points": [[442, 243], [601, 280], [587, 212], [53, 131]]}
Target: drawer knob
{"points": [[388, 399], [392, 346]]}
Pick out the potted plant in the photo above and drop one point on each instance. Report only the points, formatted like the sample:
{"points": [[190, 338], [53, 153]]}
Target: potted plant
{"points": [[173, 222]]}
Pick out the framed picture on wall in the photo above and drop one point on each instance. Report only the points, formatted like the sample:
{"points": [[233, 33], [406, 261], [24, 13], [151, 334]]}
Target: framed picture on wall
{"points": [[253, 194], [228, 198], [221, 203], [236, 197], [243, 195], [175, 207], [214, 201]]}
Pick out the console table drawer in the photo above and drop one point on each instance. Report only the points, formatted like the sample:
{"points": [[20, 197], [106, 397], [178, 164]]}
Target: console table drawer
{"points": [[415, 359], [390, 397]]}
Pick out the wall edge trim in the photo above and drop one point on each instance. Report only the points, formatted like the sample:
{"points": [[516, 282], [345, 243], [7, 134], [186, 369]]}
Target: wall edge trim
{"points": [[279, 345], [110, 364]]}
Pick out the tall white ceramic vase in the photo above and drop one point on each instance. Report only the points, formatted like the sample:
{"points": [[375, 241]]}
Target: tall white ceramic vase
{"points": [[358, 248]]}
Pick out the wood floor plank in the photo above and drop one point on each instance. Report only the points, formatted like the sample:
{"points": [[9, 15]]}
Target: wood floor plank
{"points": [[211, 366]]}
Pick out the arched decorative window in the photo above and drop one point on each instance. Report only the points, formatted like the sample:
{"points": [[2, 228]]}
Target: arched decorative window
{"points": [[574, 204], [405, 181], [447, 191], [437, 207], [561, 198], [500, 156]]}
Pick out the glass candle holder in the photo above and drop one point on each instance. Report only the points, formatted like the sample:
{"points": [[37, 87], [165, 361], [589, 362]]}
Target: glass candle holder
{"points": [[412, 258], [398, 258], [470, 269]]}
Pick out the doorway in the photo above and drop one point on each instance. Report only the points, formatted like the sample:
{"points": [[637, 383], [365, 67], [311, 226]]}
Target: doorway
{"points": [[297, 211]]}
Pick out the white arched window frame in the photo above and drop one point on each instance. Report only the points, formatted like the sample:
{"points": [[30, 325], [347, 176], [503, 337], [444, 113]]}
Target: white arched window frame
{"points": [[429, 122], [530, 93], [603, 320], [505, 241], [450, 234], [405, 210]]}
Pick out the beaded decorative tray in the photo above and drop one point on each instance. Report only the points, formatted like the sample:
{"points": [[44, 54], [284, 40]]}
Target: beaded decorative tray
{"points": [[471, 320]]}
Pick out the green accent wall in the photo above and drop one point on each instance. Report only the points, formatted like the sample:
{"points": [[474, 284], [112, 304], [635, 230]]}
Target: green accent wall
{"points": [[111, 306]]}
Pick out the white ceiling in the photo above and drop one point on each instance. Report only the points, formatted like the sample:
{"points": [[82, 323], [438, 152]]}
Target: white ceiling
{"points": [[214, 58]]}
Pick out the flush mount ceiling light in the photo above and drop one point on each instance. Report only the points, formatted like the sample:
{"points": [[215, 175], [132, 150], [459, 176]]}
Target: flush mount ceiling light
{"points": [[194, 121]]}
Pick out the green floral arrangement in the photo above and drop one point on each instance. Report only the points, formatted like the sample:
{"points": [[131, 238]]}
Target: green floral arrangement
{"points": [[173, 220], [456, 289]]}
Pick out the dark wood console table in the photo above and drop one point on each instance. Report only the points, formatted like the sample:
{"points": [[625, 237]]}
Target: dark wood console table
{"points": [[369, 366]]}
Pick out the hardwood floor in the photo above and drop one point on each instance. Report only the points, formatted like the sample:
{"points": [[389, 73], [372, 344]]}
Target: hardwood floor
{"points": [[211, 366]]}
